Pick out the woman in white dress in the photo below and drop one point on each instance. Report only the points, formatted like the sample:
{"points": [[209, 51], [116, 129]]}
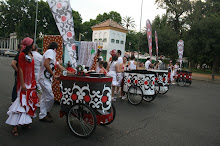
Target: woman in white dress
{"points": [[132, 64], [122, 67], [112, 71], [24, 107]]}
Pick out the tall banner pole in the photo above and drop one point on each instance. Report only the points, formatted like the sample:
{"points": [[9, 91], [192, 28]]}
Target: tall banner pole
{"points": [[156, 40], [149, 37], [62, 13], [180, 49]]}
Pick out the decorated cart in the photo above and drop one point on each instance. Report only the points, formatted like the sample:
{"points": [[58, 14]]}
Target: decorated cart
{"points": [[86, 102], [139, 84], [184, 78], [162, 81]]}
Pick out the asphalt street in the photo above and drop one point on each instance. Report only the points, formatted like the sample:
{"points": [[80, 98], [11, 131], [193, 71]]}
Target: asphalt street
{"points": [[183, 116]]}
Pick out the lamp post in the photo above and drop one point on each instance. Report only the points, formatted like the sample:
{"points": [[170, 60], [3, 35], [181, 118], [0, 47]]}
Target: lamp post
{"points": [[35, 31], [41, 36], [129, 48], [139, 34]]}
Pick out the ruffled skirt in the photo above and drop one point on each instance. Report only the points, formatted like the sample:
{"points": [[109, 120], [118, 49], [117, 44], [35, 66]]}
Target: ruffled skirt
{"points": [[21, 111], [114, 78]]}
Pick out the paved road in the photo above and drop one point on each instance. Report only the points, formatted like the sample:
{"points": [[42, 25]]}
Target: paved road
{"points": [[184, 116]]}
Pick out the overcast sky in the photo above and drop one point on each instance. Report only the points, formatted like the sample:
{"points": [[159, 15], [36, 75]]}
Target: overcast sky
{"points": [[89, 9]]}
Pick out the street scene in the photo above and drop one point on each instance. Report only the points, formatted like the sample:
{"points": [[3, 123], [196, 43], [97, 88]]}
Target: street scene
{"points": [[110, 73], [183, 116]]}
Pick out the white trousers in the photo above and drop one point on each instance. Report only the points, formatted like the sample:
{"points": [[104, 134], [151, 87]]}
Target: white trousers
{"points": [[47, 98]]}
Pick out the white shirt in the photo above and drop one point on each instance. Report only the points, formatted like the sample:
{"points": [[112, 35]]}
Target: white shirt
{"points": [[37, 63], [147, 64], [44, 74], [120, 60], [132, 66]]}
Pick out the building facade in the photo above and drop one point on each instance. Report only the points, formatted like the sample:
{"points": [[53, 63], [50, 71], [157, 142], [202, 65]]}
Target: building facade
{"points": [[9, 43], [111, 36]]}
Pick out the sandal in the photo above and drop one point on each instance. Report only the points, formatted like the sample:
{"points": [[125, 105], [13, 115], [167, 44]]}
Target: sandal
{"points": [[27, 126], [15, 131]]}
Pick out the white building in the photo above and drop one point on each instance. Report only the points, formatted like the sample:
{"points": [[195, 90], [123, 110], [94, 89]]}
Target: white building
{"points": [[10, 42], [111, 35]]}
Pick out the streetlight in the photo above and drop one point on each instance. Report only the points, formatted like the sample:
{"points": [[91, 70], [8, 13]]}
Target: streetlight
{"points": [[41, 36], [140, 33], [35, 31], [130, 48]]}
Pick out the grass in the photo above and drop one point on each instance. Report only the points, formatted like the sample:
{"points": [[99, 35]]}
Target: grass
{"points": [[206, 71]]}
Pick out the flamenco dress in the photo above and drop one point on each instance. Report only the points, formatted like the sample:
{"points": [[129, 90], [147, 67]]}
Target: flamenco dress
{"points": [[24, 107]]}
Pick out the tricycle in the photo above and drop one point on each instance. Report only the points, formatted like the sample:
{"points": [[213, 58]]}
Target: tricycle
{"points": [[86, 102]]}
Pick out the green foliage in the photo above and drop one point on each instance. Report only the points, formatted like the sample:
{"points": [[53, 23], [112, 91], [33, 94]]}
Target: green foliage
{"points": [[177, 12], [128, 22], [167, 37], [86, 27]]}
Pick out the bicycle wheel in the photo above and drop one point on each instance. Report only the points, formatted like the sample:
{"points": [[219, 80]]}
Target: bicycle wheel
{"points": [[113, 111], [81, 120], [135, 95], [149, 98], [164, 90], [156, 88], [181, 82]]}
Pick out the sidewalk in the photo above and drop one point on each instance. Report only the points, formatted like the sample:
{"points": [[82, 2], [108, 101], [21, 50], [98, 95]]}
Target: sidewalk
{"points": [[205, 77]]}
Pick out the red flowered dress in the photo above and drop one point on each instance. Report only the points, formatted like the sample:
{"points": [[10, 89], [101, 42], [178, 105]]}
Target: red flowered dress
{"points": [[24, 107]]}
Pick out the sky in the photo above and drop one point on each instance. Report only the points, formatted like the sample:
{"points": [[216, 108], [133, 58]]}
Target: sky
{"points": [[89, 9]]}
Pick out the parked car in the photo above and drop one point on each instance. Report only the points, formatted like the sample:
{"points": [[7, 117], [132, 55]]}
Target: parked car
{"points": [[10, 53], [2, 52]]}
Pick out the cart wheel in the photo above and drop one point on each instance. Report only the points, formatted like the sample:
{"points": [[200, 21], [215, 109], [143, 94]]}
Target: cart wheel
{"points": [[81, 120], [113, 111], [135, 95], [164, 90], [181, 82], [187, 84], [157, 88], [149, 98]]}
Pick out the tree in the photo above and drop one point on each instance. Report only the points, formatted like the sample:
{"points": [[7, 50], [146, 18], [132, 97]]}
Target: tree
{"points": [[167, 37], [177, 12], [87, 31], [128, 22], [204, 36], [19, 16]]}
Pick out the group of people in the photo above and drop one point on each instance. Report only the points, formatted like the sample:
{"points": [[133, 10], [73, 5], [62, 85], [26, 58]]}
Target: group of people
{"points": [[115, 68], [33, 78], [173, 71], [157, 65]]}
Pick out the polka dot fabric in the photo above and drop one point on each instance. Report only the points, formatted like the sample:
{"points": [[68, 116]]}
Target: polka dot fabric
{"points": [[58, 39]]}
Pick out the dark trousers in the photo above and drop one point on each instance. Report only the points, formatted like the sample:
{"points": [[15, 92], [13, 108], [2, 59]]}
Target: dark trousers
{"points": [[14, 91]]}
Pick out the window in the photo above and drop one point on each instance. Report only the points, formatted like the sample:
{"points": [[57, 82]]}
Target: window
{"points": [[113, 40], [100, 39], [105, 40], [95, 40], [122, 42], [117, 41]]}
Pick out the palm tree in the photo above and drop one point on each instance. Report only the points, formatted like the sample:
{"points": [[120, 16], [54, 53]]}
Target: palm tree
{"points": [[128, 22]]}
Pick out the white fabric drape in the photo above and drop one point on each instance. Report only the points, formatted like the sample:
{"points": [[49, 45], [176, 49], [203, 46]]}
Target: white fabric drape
{"points": [[85, 55]]}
